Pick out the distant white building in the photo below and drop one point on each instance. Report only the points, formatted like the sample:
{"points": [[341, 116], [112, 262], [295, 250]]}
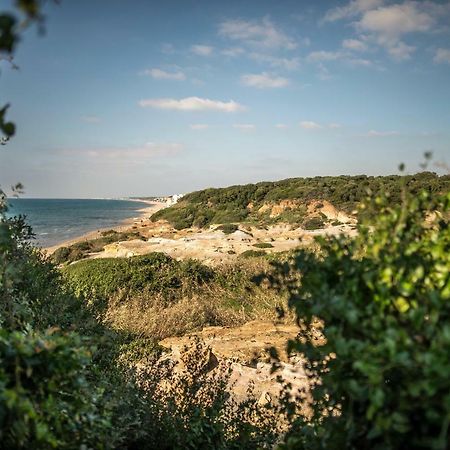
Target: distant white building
{"points": [[173, 199]]}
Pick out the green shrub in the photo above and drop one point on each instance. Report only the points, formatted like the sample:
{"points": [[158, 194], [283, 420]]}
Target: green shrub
{"points": [[228, 228], [252, 254], [314, 223], [99, 279], [61, 255], [263, 245], [384, 299], [231, 204], [82, 249], [46, 400]]}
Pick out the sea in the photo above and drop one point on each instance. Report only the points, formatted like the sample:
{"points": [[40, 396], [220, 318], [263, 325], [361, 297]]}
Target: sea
{"points": [[58, 220]]}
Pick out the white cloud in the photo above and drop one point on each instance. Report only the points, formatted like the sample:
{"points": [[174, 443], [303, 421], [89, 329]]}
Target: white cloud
{"points": [[334, 125], [395, 20], [91, 119], [360, 62], [275, 61], [324, 73], [310, 125], [350, 10], [374, 133], [262, 33], [137, 153], [442, 55], [400, 51], [244, 126], [199, 126], [264, 80], [281, 126], [323, 55], [159, 74], [232, 52], [387, 23], [192, 104], [202, 50], [354, 45]]}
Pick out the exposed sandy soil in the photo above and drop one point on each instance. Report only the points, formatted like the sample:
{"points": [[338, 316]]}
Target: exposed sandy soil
{"points": [[245, 348], [212, 246]]}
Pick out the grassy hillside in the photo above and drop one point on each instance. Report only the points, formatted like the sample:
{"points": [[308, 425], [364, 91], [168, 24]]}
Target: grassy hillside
{"points": [[243, 203], [157, 296]]}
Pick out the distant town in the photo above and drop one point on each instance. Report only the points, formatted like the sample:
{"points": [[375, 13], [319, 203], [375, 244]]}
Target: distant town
{"points": [[169, 200]]}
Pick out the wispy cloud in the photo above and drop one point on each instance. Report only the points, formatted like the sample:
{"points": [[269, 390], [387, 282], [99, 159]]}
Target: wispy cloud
{"points": [[232, 52], [91, 119], [137, 153], [256, 33], [160, 74], [276, 61], [322, 55], [375, 133], [244, 126], [354, 45], [199, 126], [442, 55], [202, 50], [264, 81], [342, 55], [192, 104], [386, 24], [310, 125], [351, 9], [362, 62], [281, 126]]}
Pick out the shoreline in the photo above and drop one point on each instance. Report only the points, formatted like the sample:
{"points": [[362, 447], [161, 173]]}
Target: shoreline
{"points": [[126, 224]]}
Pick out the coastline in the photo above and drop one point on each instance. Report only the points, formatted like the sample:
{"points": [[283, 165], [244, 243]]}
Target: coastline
{"points": [[144, 215]]}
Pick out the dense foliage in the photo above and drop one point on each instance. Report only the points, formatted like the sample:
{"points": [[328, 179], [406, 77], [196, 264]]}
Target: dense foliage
{"points": [[384, 302], [47, 399], [80, 250], [59, 390], [157, 296], [242, 203]]}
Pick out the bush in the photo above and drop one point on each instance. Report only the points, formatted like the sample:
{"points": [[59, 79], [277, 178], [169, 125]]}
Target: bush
{"points": [[252, 254], [384, 301], [46, 400], [81, 249], [263, 245], [155, 273], [314, 223], [228, 228], [231, 204]]}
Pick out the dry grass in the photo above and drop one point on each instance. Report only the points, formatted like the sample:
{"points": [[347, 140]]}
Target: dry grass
{"points": [[231, 300]]}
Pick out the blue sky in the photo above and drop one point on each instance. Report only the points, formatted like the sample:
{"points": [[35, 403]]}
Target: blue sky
{"points": [[143, 98]]}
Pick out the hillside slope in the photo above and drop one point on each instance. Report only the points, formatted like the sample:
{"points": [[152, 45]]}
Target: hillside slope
{"points": [[290, 200]]}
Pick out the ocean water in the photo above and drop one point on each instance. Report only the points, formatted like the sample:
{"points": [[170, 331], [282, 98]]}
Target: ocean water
{"points": [[58, 220]]}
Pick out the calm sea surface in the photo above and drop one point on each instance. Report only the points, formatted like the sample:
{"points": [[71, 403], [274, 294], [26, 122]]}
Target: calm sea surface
{"points": [[58, 220]]}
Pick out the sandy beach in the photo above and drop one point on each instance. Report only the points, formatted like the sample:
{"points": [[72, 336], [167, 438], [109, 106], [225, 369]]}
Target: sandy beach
{"points": [[210, 245], [144, 215]]}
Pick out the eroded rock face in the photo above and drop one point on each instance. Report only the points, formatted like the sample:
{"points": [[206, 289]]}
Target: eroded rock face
{"points": [[244, 350]]}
